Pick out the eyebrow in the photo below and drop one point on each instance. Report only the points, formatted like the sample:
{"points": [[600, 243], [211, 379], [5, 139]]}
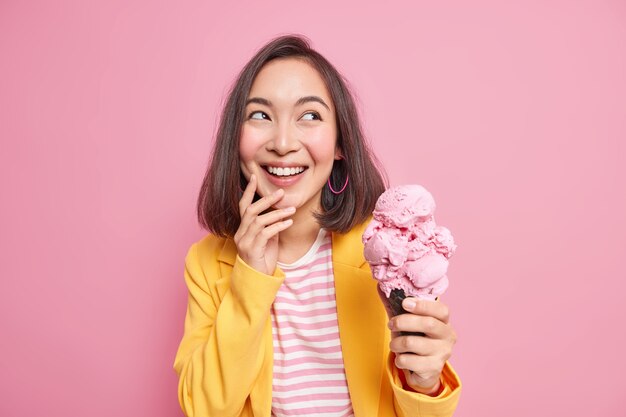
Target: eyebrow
{"points": [[300, 101]]}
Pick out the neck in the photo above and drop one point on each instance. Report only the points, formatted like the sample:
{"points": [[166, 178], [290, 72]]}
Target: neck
{"points": [[296, 240]]}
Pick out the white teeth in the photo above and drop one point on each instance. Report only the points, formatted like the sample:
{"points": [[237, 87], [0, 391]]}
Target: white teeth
{"points": [[284, 171]]}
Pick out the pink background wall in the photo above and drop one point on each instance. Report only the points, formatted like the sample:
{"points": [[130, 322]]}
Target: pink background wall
{"points": [[514, 116]]}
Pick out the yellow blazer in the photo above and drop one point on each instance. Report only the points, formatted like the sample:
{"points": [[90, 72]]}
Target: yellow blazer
{"points": [[225, 358]]}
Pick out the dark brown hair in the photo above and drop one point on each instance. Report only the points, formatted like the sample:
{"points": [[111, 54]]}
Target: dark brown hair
{"points": [[218, 202]]}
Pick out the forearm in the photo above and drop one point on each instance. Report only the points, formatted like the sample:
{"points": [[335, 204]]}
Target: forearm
{"points": [[219, 364]]}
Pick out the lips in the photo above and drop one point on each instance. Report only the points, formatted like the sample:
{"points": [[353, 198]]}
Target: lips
{"points": [[284, 175], [284, 171]]}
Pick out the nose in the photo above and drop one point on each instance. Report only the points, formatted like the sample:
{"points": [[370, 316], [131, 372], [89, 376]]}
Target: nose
{"points": [[283, 139]]}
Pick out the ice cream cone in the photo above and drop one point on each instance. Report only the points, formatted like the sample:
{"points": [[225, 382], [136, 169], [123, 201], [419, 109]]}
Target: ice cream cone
{"points": [[407, 252]]}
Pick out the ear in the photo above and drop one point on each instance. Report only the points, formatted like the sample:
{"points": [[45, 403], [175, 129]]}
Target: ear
{"points": [[338, 154]]}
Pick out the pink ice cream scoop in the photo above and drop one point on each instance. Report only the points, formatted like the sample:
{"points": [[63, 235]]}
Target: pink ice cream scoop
{"points": [[407, 252]]}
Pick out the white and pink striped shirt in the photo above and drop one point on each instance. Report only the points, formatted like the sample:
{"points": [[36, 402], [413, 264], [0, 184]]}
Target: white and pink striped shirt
{"points": [[309, 376]]}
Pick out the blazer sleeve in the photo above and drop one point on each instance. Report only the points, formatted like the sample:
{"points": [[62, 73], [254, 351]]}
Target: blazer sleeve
{"points": [[221, 351], [412, 404]]}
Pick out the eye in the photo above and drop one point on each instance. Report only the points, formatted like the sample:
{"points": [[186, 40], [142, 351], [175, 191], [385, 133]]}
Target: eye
{"points": [[312, 113], [263, 115]]}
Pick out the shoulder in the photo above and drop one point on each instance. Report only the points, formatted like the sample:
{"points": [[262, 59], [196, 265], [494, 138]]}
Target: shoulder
{"points": [[360, 228], [354, 236], [348, 247], [205, 254], [210, 245]]}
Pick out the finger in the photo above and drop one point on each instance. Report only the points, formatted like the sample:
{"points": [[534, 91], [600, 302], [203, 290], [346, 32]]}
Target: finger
{"points": [[264, 203], [273, 216], [259, 223], [271, 231], [248, 195], [425, 368], [435, 309], [418, 345], [431, 326], [252, 211]]}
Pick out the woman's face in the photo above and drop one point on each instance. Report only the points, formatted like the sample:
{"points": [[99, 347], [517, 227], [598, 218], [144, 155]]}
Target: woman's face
{"points": [[289, 133]]}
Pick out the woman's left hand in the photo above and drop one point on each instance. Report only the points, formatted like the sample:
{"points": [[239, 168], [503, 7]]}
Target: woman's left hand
{"points": [[422, 357]]}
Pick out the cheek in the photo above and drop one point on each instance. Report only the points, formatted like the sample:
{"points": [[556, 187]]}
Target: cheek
{"points": [[322, 145], [249, 144]]}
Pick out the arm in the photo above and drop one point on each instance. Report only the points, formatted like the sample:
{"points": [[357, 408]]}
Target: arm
{"points": [[221, 355], [221, 352]]}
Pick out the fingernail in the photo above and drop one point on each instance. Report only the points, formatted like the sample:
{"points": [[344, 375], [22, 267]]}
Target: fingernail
{"points": [[408, 304], [290, 209], [390, 324]]}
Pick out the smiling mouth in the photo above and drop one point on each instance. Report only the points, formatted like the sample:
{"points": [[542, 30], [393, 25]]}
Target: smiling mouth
{"points": [[284, 171]]}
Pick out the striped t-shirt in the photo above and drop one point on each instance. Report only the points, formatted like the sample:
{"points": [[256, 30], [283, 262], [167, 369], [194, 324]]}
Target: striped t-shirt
{"points": [[309, 376]]}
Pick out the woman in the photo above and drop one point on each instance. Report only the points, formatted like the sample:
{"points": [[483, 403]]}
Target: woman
{"points": [[283, 316]]}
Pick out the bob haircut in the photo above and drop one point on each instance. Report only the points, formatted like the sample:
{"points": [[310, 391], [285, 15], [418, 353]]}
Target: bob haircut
{"points": [[223, 184]]}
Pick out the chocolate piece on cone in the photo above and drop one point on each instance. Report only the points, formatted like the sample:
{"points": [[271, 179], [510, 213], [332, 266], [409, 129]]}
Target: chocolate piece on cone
{"points": [[395, 303]]}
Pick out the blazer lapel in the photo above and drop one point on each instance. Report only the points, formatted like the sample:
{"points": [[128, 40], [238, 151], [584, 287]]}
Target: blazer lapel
{"points": [[362, 321]]}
